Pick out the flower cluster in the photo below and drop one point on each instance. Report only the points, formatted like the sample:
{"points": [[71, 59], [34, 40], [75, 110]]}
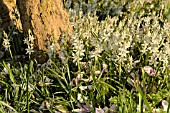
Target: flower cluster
{"points": [[124, 41], [30, 43], [127, 39], [6, 42]]}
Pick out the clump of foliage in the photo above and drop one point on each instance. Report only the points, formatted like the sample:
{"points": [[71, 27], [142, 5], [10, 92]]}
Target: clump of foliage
{"points": [[110, 63]]}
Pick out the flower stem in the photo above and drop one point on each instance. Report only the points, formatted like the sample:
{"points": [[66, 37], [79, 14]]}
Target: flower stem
{"points": [[140, 103]]}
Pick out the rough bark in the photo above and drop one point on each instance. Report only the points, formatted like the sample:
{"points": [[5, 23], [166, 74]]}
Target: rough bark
{"points": [[45, 18], [9, 15], [4, 16]]}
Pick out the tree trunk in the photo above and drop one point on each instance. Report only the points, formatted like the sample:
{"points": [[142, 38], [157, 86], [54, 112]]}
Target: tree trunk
{"points": [[9, 15], [4, 16], [45, 18]]}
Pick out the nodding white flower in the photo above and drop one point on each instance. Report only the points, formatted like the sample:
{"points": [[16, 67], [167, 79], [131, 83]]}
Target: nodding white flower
{"points": [[90, 87], [14, 33], [90, 78], [99, 110], [149, 70], [80, 97], [62, 56], [83, 88], [78, 78], [164, 105], [97, 72], [104, 67], [72, 82]]}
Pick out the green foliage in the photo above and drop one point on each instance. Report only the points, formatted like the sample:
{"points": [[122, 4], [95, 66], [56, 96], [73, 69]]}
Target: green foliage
{"points": [[167, 10], [115, 60]]}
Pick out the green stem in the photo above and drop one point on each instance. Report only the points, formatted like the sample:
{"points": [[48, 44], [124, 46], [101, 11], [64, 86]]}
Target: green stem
{"points": [[120, 71], [27, 94], [79, 70], [29, 73], [10, 53], [140, 103]]}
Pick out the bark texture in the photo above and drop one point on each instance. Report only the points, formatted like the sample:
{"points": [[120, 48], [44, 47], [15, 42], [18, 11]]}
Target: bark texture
{"points": [[9, 15], [45, 18], [4, 16]]}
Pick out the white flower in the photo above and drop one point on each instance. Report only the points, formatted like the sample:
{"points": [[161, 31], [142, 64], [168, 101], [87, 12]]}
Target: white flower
{"points": [[90, 78], [52, 47], [30, 43], [14, 33], [83, 88], [96, 53], [164, 105], [149, 70], [29, 50], [99, 110], [62, 56], [104, 67], [78, 78], [78, 50], [113, 108], [97, 72], [80, 97], [31, 38], [6, 43], [90, 87], [72, 82], [26, 41]]}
